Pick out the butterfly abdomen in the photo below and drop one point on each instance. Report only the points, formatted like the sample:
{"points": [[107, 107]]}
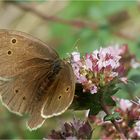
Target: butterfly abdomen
{"points": [[49, 78]]}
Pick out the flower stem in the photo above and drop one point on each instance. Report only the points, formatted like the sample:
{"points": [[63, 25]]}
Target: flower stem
{"points": [[105, 109]]}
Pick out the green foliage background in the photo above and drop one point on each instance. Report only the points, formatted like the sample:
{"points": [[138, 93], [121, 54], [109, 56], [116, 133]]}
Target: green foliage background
{"points": [[65, 38]]}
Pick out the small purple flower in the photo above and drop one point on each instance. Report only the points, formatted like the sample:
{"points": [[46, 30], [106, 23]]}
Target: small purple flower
{"points": [[72, 131]]}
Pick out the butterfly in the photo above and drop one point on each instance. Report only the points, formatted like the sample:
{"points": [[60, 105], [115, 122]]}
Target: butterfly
{"points": [[33, 79]]}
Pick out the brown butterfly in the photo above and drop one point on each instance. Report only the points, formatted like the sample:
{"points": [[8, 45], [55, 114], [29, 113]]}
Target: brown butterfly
{"points": [[33, 79]]}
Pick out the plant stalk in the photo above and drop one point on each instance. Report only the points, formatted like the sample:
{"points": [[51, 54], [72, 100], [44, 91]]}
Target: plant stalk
{"points": [[75, 23], [105, 109]]}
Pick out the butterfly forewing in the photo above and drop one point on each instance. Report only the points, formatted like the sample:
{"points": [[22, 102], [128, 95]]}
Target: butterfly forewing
{"points": [[14, 54]]}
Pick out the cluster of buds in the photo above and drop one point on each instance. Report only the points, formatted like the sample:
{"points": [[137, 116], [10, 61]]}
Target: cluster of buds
{"points": [[99, 68], [129, 121], [72, 131]]}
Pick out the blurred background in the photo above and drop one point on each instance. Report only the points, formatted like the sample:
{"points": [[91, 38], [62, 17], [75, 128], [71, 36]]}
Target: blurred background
{"points": [[65, 25]]}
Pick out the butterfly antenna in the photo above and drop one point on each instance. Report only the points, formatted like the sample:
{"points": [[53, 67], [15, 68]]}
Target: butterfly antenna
{"points": [[76, 46]]}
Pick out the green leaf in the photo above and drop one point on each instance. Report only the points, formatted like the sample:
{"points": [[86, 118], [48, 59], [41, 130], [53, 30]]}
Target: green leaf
{"points": [[111, 117], [95, 110], [86, 100], [130, 87], [109, 101], [135, 78], [108, 97]]}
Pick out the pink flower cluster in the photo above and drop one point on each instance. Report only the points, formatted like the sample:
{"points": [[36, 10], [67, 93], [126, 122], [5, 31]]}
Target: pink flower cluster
{"points": [[98, 68], [129, 122]]}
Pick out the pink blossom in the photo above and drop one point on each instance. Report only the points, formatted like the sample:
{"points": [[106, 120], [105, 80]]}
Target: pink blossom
{"points": [[124, 80], [129, 122], [97, 68], [82, 79], [137, 128], [88, 64], [93, 89], [75, 56], [125, 104], [113, 74]]}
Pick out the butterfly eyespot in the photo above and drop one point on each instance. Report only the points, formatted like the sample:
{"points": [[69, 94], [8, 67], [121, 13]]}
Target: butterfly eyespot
{"points": [[24, 98], [67, 89], [9, 52], [16, 91], [14, 40], [59, 97]]}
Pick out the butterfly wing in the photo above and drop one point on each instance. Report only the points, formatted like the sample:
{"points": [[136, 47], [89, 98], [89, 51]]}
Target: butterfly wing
{"points": [[19, 94], [61, 93], [23, 63], [17, 48]]}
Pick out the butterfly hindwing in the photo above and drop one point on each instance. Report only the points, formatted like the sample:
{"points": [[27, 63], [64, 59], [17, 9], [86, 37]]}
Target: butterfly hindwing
{"points": [[61, 94]]}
